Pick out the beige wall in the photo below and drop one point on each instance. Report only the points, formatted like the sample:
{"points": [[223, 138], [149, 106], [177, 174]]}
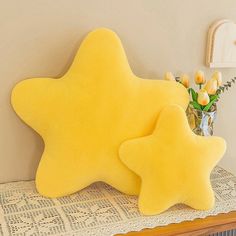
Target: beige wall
{"points": [[40, 37]]}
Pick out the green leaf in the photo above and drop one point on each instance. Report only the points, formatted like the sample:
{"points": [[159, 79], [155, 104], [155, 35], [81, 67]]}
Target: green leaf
{"points": [[208, 106], [212, 97], [194, 94], [195, 105]]}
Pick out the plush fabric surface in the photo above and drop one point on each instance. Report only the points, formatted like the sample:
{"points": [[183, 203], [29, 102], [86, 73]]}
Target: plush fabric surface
{"points": [[84, 116], [98, 210], [173, 163]]}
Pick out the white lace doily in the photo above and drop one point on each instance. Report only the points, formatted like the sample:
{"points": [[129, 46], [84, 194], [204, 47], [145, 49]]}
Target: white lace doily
{"points": [[97, 210]]}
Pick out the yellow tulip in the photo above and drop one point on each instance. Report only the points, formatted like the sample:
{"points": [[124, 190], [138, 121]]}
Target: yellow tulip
{"points": [[184, 79], [203, 97], [169, 76], [217, 75], [211, 86], [199, 77]]}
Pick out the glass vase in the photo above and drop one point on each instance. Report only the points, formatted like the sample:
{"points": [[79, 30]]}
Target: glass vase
{"points": [[201, 122]]}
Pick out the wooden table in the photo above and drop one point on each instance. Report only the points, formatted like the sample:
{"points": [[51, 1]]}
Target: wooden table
{"points": [[206, 226]]}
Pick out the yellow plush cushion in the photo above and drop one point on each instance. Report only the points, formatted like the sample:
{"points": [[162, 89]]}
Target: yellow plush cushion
{"points": [[84, 116], [174, 164]]}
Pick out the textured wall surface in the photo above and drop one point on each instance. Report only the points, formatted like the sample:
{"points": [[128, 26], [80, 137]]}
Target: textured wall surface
{"points": [[40, 38]]}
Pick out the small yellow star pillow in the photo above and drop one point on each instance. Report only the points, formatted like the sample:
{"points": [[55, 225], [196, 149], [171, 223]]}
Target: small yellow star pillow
{"points": [[173, 163], [84, 116]]}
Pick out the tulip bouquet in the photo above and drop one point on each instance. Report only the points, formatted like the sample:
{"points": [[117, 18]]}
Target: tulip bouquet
{"points": [[209, 91], [201, 112]]}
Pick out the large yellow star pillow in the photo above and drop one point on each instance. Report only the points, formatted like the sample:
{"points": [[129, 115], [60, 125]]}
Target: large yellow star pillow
{"points": [[85, 115], [174, 164]]}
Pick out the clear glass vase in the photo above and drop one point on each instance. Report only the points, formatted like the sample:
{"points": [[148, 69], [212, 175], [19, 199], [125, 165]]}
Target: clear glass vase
{"points": [[201, 122]]}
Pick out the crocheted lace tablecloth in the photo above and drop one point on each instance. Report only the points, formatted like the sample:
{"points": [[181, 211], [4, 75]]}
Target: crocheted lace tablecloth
{"points": [[97, 210]]}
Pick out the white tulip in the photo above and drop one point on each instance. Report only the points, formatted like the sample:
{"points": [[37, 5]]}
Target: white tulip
{"points": [[169, 76], [203, 97], [211, 86], [199, 77], [217, 75], [184, 79]]}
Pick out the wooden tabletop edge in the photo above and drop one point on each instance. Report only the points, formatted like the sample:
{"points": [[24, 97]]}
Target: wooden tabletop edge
{"points": [[198, 226]]}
